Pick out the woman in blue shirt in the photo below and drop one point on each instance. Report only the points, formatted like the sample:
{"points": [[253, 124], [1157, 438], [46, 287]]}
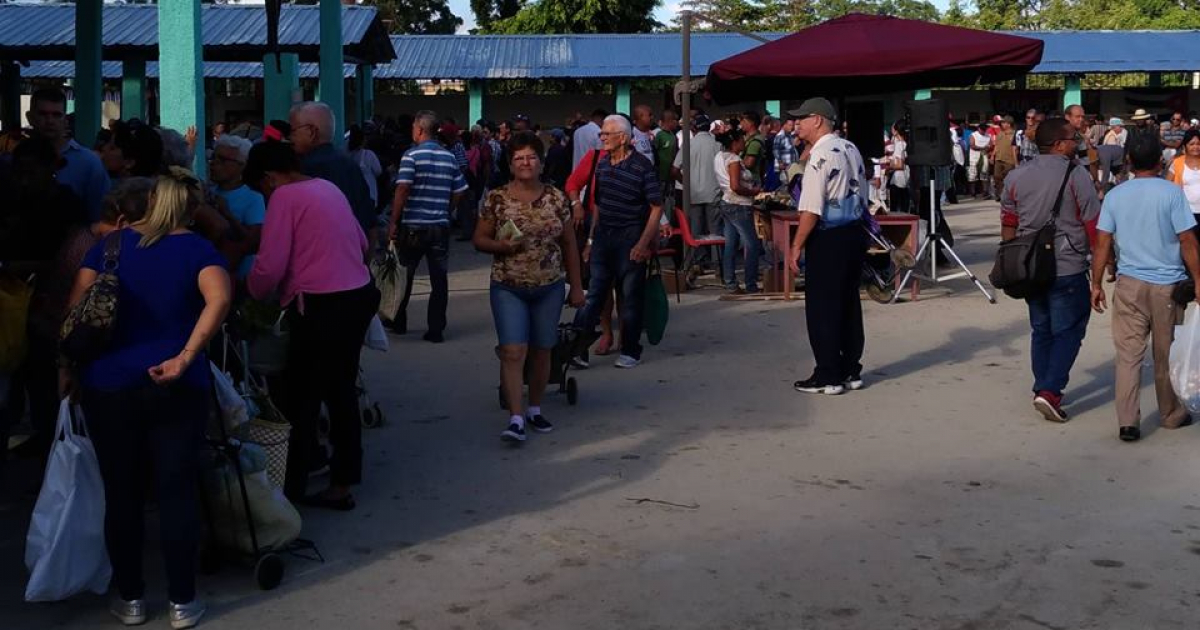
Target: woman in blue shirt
{"points": [[146, 396]]}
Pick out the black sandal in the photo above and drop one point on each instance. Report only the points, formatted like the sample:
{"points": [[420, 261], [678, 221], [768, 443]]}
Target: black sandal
{"points": [[1130, 434], [344, 504]]}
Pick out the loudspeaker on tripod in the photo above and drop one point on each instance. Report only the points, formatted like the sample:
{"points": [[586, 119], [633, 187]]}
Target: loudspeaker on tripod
{"points": [[929, 133]]}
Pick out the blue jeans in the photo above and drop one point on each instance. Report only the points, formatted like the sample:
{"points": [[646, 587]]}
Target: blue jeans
{"points": [[1059, 321], [527, 316], [739, 235], [610, 265]]}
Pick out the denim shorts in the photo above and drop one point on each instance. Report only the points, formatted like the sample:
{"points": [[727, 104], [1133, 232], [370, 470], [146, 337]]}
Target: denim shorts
{"points": [[527, 315]]}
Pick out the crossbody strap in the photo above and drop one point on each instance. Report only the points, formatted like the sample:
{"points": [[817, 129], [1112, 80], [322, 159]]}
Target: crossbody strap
{"points": [[1062, 188], [112, 251]]}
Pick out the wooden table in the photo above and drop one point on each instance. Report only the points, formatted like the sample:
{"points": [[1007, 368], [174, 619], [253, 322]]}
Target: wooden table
{"points": [[900, 229]]}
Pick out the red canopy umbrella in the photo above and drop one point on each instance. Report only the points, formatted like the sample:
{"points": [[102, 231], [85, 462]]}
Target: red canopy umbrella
{"points": [[870, 54]]}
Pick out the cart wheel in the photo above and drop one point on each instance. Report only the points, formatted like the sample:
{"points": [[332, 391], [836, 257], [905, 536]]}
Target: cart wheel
{"points": [[268, 572], [372, 417], [572, 391]]}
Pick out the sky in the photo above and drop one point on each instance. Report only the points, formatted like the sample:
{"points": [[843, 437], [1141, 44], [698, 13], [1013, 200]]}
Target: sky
{"points": [[664, 14]]}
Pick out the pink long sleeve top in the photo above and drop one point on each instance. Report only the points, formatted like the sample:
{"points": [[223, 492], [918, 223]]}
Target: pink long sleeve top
{"points": [[311, 243]]}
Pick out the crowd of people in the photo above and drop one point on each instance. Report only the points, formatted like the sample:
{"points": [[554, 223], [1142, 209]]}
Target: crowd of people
{"points": [[571, 215]]}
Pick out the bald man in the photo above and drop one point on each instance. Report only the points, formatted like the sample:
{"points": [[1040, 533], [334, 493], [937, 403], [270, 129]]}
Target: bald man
{"points": [[643, 131], [312, 137]]}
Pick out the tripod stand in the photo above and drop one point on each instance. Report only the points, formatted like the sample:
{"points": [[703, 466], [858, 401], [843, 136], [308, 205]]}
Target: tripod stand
{"points": [[933, 241]]}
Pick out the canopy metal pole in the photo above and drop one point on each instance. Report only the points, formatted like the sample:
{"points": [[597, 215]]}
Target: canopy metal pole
{"points": [[686, 114]]}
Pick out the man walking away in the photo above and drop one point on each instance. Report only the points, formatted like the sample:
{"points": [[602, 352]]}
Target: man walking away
{"points": [[312, 138], [1059, 318], [587, 137], [1151, 223], [428, 185], [703, 213], [832, 201]]}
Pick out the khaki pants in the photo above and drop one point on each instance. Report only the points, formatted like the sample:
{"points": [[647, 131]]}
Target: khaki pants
{"points": [[1141, 309]]}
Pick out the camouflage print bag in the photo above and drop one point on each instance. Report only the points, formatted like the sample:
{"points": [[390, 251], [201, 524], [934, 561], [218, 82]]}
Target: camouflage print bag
{"points": [[89, 326]]}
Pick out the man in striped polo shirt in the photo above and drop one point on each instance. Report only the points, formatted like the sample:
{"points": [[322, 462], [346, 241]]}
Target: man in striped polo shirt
{"points": [[428, 185], [624, 228]]}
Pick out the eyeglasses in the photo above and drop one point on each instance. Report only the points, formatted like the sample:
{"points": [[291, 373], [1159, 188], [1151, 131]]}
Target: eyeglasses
{"points": [[525, 158], [605, 134], [299, 127], [1176, 120]]}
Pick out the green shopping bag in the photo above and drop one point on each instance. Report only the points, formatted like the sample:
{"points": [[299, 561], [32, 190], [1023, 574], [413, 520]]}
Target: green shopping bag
{"points": [[656, 305]]}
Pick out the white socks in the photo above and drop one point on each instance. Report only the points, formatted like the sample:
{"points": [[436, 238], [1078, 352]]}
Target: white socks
{"points": [[517, 420], [533, 411]]}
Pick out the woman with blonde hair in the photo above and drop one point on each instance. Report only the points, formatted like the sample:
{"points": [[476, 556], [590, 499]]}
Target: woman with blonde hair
{"points": [[146, 396]]}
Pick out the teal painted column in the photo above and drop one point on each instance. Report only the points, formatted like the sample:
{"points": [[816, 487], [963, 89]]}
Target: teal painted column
{"points": [[281, 88], [333, 72], [773, 108], [133, 89], [364, 77], [476, 89], [923, 95], [10, 95], [88, 87], [70, 96], [1073, 91], [181, 72], [623, 99], [1155, 79]]}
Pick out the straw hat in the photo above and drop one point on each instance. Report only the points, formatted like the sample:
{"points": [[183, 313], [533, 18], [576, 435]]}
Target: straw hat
{"points": [[1140, 114]]}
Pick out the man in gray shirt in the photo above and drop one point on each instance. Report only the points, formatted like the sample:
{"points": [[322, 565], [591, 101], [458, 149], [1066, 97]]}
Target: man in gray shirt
{"points": [[1059, 318], [704, 215]]}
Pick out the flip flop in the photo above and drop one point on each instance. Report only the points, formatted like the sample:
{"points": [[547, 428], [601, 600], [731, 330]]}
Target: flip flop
{"points": [[604, 347]]}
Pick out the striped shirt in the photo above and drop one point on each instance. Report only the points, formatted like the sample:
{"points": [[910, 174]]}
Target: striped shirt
{"points": [[625, 191], [433, 177]]}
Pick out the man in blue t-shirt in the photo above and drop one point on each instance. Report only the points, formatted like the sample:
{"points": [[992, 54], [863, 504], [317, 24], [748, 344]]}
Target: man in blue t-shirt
{"points": [[429, 184], [622, 239], [1151, 222], [247, 206]]}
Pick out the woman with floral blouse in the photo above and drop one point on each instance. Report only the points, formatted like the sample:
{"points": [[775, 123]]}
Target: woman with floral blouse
{"points": [[525, 224]]}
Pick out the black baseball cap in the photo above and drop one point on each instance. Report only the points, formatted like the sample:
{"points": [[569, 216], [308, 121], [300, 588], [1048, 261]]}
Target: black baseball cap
{"points": [[815, 106]]}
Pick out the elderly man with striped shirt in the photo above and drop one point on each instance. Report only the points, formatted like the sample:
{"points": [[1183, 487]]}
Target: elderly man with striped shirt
{"points": [[624, 228], [428, 185]]}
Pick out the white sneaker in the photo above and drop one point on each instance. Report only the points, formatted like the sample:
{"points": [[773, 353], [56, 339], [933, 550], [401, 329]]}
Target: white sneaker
{"points": [[853, 383], [184, 616], [626, 362]]}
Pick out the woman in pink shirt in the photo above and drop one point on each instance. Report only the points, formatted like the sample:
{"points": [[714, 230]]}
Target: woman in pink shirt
{"points": [[312, 257]]}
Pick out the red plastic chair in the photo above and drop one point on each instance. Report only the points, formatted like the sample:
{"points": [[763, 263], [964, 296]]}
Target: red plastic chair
{"points": [[689, 239]]}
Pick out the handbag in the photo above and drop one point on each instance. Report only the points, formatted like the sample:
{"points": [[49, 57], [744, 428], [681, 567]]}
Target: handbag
{"points": [[88, 327], [1026, 266], [657, 308], [15, 296]]}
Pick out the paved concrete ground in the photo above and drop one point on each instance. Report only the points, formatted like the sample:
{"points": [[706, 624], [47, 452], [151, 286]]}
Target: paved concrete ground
{"points": [[933, 499]]}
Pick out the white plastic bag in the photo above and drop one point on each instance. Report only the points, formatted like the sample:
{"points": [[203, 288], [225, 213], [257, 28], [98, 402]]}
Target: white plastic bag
{"points": [[233, 407], [377, 338], [1185, 359], [64, 550]]}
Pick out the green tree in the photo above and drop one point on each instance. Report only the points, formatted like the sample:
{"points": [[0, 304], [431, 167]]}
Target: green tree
{"points": [[417, 17], [581, 16], [488, 12], [740, 13]]}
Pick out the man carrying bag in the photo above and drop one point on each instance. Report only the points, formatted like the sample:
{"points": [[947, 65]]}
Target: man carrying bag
{"points": [[1049, 205]]}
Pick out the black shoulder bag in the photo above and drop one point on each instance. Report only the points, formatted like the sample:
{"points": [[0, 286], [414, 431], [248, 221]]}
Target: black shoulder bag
{"points": [[1026, 266]]}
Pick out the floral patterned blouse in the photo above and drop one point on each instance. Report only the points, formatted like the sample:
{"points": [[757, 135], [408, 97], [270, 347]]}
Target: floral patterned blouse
{"points": [[541, 224]]}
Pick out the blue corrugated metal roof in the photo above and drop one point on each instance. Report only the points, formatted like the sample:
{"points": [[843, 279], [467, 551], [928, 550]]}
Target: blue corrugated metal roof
{"points": [[1076, 52], [36, 26], [555, 56], [659, 55], [212, 70]]}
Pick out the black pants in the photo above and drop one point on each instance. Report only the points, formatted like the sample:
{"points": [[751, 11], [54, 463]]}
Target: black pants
{"points": [[834, 259], [899, 200], [162, 426], [432, 244], [323, 368]]}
